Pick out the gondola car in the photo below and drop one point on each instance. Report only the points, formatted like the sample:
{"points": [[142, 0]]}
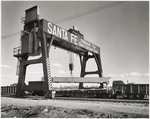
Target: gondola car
{"points": [[130, 91]]}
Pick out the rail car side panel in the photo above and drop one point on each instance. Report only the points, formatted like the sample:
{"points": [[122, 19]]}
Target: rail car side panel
{"points": [[134, 89], [8, 90], [143, 89]]}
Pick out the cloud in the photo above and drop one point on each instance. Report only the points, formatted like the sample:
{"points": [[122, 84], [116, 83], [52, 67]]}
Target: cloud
{"points": [[135, 74], [9, 76], [132, 74], [146, 74], [121, 75], [57, 65], [113, 75], [35, 73], [5, 66], [61, 72]]}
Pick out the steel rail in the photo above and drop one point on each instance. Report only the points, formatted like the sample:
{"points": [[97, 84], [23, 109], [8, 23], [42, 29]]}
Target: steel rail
{"points": [[146, 101], [103, 100]]}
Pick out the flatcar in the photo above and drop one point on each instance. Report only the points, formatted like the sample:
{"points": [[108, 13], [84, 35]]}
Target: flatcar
{"points": [[119, 90]]}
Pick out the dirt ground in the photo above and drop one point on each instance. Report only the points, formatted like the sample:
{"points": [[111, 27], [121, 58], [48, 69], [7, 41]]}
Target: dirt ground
{"points": [[48, 108]]}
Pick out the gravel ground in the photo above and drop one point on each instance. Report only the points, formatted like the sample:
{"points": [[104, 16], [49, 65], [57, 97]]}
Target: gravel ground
{"points": [[27, 107]]}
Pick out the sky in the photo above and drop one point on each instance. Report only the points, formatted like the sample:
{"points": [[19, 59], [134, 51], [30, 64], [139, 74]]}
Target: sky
{"points": [[121, 32]]}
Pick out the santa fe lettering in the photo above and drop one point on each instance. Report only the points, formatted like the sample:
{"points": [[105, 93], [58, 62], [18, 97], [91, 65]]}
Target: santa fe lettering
{"points": [[57, 31], [74, 39]]}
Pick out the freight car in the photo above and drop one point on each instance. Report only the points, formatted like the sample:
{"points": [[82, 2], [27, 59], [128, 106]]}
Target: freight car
{"points": [[119, 90], [88, 93], [8, 90], [130, 91], [37, 88]]}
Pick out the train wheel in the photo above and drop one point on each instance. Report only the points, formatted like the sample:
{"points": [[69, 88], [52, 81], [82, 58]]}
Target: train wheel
{"points": [[33, 93], [141, 96], [114, 96], [125, 96], [146, 96], [131, 96], [136, 96]]}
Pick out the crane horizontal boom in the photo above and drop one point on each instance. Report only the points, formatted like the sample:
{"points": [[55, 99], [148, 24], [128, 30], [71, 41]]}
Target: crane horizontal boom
{"points": [[72, 41]]}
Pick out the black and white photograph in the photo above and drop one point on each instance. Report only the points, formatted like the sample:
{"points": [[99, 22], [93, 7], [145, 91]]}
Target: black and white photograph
{"points": [[74, 59]]}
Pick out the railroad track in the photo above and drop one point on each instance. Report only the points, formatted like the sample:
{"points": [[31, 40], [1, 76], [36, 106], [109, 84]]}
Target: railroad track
{"points": [[101, 100], [146, 101]]}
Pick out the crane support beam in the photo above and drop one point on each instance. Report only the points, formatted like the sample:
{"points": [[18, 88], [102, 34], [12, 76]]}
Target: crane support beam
{"points": [[22, 74], [28, 62], [80, 79], [71, 40], [91, 72]]}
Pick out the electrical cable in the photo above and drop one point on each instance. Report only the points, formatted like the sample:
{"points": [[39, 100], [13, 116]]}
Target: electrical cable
{"points": [[11, 35], [96, 9], [80, 14]]}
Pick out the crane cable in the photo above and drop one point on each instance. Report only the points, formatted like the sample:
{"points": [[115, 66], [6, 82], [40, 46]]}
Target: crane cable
{"points": [[71, 62]]}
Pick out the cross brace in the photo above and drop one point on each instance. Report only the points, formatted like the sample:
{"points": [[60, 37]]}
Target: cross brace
{"points": [[83, 60]]}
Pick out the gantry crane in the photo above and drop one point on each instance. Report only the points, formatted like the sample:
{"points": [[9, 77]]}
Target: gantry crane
{"points": [[37, 38]]}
